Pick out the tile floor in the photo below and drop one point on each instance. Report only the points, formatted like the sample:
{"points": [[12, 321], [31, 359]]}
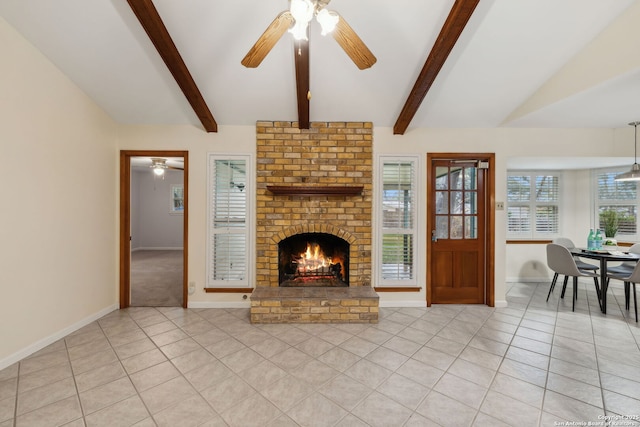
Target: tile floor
{"points": [[531, 364]]}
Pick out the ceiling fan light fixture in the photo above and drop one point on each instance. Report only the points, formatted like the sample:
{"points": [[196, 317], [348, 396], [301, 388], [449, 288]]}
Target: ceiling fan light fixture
{"points": [[328, 20], [302, 10], [158, 166], [634, 173], [299, 30]]}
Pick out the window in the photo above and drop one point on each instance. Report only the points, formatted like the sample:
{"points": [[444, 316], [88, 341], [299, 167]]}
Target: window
{"points": [[397, 213], [228, 228], [620, 197], [533, 205], [177, 199]]}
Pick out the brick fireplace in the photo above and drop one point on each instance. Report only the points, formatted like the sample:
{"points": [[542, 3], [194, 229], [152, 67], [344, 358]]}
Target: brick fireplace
{"points": [[314, 182]]}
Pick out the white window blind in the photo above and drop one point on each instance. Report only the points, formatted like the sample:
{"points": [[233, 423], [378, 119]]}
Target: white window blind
{"points": [[228, 222], [533, 205], [618, 196], [398, 219]]}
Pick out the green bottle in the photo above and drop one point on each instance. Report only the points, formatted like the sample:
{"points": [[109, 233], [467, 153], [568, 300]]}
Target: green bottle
{"points": [[598, 239]]}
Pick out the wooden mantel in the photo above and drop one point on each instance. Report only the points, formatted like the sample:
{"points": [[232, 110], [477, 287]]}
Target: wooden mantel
{"points": [[306, 190]]}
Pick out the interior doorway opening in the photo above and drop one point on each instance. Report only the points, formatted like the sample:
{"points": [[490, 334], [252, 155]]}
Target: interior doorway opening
{"points": [[153, 228]]}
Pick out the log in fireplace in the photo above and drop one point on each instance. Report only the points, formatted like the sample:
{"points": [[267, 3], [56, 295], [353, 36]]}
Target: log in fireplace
{"points": [[313, 259]]}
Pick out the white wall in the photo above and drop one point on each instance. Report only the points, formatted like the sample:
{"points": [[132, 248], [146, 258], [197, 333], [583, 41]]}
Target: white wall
{"points": [[57, 221], [153, 226]]}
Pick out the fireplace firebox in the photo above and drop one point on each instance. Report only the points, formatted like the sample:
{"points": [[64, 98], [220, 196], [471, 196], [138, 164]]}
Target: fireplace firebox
{"points": [[313, 259]]}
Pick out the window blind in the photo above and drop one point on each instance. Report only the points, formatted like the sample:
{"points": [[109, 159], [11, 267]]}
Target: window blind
{"points": [[398, 222], [533, 205], [618, 196], [228, 228]]}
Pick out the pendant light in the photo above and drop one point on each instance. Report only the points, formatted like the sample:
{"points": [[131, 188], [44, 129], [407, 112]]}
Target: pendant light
{"points": [[634, 173]]}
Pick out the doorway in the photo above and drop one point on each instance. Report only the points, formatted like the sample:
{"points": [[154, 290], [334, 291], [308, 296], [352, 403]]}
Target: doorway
{"points": [[461, 224], [174, 204]]}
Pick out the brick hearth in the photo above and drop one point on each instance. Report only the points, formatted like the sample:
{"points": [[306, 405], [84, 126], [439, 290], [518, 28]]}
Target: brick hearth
{"points": [[329, 154], [358, 304]]}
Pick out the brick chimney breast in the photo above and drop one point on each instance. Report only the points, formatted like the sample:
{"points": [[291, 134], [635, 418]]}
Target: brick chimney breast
{"points": [[328, 155]]}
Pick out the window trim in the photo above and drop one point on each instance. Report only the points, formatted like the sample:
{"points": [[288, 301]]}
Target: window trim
{"points": [[379, 231], [533, 235], [596, 201], [246, 283]]}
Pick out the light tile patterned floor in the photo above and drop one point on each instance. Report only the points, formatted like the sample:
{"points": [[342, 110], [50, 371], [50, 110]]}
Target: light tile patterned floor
{"points": [[531, 364]]}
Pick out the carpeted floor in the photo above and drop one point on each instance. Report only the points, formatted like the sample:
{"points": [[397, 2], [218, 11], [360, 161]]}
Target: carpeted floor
{"points": [[156, 278]]}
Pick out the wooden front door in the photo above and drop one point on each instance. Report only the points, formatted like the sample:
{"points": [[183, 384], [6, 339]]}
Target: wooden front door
{"points": [[458, 247]]}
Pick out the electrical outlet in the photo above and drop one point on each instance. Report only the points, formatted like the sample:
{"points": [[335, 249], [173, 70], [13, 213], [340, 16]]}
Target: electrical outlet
{"points": [[499, 206]]}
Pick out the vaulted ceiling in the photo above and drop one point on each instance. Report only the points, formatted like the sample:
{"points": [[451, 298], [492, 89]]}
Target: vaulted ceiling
{"points": [[516, 63]]}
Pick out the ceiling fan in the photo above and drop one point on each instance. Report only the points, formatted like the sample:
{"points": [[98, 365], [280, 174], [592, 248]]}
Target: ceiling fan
{"points": [[158, 165], [297, 20]]}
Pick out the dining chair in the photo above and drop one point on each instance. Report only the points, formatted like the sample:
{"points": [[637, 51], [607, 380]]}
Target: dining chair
{"points": [[561, 261], [568, 243], [629, 279], [626, 267]]}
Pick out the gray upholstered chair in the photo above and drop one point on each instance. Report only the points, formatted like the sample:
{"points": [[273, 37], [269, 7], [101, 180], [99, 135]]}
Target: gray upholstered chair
{"points": [[561, 261], [626, 267], [568, 243], [629, 279]]}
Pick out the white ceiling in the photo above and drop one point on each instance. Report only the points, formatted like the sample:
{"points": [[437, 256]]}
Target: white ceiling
{"points": [[510, 57]]}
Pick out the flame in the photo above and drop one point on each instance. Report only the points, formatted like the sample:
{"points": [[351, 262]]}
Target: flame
{"points": [[313, 259]]}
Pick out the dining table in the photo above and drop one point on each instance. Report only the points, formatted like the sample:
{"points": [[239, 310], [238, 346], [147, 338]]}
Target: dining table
{"points": [[605, 256]]}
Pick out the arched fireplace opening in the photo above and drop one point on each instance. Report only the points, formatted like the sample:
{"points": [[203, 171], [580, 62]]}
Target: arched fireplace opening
{"points": [[313, 259]]}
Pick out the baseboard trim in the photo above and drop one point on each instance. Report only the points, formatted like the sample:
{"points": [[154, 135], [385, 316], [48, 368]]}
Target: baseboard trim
{"points": [[528, 280], [501, 304], [219, 304], [412, 304], [40, 344], [168, 248]]}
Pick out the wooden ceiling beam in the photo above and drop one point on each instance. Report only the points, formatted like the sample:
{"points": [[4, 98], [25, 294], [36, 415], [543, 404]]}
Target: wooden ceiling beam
{"points": [[301, 55], [150, 20], [459, 15]]}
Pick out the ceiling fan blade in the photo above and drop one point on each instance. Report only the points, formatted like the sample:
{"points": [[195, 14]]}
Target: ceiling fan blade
{"points": [[175, 168], [353, 45], [267, 40]]}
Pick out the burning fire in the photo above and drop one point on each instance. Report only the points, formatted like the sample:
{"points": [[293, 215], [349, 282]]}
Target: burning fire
{"points": [[313, 259]]}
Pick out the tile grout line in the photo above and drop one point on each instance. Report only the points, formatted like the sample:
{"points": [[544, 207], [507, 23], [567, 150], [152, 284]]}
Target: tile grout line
{"points": [[73, 375]]}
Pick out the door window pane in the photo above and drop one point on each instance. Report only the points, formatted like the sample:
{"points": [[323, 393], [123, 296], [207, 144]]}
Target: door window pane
{"points": [[456, 202], [470, 227], [470, 178], [470, 203], [442, 202], [456, 227], [442, 227]]}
